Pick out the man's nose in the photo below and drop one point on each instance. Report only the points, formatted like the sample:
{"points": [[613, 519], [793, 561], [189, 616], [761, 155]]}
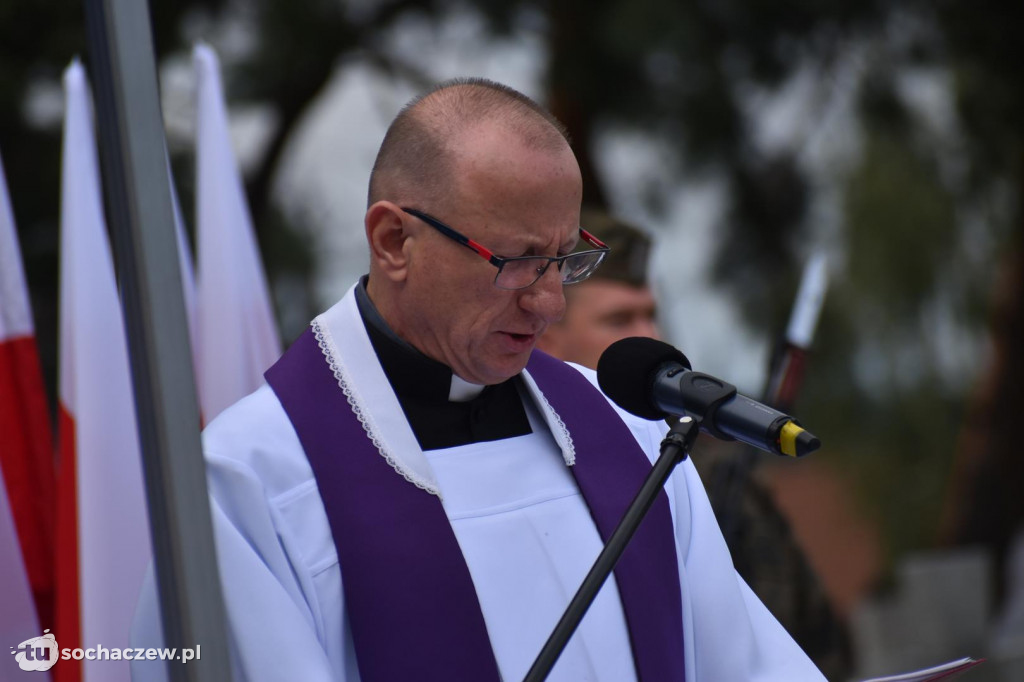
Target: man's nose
{"points": [[545, 297]]}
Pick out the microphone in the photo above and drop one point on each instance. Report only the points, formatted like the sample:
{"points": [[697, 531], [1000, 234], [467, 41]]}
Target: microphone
{"points": [[653, 380]]}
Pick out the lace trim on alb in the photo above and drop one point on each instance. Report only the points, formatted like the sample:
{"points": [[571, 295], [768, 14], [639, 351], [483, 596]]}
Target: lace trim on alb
{"points": [[323, 340], [570, 448]]}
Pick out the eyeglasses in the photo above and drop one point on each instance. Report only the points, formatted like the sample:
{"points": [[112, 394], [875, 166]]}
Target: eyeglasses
{"points": [[520, 272]]}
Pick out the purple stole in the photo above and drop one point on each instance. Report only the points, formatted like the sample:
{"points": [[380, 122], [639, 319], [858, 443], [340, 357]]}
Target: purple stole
{"points": [[426, 624]]}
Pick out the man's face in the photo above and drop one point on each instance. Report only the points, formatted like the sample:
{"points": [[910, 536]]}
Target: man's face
{"points": [[516, 201], [600, 312]]}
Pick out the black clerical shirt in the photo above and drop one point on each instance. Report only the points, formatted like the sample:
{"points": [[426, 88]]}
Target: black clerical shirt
{"points": [[423, 385]]}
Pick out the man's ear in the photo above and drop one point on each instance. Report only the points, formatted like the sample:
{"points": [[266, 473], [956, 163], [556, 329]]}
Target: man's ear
{"points": [[386, 235]]}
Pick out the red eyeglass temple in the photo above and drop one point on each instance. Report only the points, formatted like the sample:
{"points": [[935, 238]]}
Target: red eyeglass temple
{"points": [[592, 239], [479, 248], [488, 254]]}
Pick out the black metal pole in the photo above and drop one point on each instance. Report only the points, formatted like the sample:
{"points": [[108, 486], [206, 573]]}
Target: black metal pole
{"points": [[674, 449], [133, 156]]}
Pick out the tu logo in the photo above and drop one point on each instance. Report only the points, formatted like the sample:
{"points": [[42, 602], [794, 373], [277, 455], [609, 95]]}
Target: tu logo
{"points": [[38, 653]]}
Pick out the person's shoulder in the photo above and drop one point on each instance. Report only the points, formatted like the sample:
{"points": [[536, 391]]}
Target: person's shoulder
{"points": [[635, 423], [254, 418], [255, 435], [590, 374]]}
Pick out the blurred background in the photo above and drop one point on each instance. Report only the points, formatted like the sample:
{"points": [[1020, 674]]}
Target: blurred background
{"points": [[746, 137]]}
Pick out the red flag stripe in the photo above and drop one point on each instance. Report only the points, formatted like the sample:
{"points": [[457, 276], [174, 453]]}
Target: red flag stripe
{"points": [[27, 462], [67, 623]]}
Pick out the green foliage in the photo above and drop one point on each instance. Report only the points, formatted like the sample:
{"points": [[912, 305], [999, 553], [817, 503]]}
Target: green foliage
{"points": [[900, 224]]}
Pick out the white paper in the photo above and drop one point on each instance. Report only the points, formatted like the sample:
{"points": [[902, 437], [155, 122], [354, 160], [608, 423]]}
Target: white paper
{"points": [[943, 671]]}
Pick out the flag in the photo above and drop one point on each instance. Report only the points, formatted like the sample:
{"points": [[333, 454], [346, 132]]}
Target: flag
{"points": [[238, 338], [26, 449], [103, 543]]}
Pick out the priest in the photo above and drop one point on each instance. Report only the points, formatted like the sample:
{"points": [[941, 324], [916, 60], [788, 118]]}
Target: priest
{"points": [[417, 493]]}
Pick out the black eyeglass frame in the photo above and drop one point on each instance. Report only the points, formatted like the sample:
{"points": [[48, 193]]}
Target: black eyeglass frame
{"points": [[500, 261]]}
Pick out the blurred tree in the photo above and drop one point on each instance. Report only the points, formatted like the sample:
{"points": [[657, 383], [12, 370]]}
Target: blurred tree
{"points": [[934, 245], [985, 505]]}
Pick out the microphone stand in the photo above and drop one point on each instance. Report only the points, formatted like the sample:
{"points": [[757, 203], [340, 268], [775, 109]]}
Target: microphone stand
{"points": [[674, 448]]}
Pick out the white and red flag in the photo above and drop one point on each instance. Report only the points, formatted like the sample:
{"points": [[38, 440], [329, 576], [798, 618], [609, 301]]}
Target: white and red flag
{"points": [[26, 458], [238, 337], [103, 543]]}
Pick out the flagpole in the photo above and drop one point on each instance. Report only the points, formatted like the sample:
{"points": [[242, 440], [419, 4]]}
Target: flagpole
{"points": [[141, 220]]}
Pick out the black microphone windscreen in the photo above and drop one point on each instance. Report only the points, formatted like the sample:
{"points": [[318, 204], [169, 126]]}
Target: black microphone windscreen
{"points": [[627, 369]]}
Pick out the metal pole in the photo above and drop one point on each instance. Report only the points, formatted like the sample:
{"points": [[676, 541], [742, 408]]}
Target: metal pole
{"points": [[133, 155]]}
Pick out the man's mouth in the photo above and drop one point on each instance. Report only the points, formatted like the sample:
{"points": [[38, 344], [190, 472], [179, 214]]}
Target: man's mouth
{"points": [[520, 342]]}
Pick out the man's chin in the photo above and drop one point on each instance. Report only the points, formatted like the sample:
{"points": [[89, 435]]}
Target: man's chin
{"points": [[504, 370]]}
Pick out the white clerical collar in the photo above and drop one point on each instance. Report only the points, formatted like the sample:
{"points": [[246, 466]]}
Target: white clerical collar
{"points": [[461, 390]]}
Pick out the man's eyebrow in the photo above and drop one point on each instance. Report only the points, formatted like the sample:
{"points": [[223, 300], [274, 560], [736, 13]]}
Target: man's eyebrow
{"points": [[534, 245]]}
